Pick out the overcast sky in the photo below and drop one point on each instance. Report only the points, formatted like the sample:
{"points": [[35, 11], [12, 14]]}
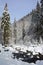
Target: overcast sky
{"points": [[18, 8]]}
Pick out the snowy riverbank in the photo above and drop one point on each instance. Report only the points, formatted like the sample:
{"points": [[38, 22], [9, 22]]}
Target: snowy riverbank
{"points": [[6, 54], [33, 48]]}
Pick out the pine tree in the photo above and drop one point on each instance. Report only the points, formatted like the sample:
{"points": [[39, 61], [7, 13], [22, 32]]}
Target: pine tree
{"points": [[38, 7], [41, 18], [15, 31], [23, 32], [36, 13], [5, 25], [41, 6], [36, 22], [38, 26]]}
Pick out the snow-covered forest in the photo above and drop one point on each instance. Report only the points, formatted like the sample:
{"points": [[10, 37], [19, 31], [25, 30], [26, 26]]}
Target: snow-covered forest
{"points": [[21, 42]]}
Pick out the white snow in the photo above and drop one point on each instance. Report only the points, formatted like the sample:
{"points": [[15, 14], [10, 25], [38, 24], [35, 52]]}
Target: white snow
{"points": [[34, 48], [5, 57]]}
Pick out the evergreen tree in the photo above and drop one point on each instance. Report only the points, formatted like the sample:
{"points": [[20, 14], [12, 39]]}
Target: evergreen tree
{"points": [[5, 25], [23, 32], [42, 7], [41, 18], [38, 26], [36, 14], [36, 22], [15, 31]]}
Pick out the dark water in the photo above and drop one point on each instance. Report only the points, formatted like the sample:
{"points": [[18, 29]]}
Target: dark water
{"points": [[23, 56], [6, 58]]}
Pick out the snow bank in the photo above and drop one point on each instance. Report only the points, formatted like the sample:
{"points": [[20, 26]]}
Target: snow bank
{"points": [[17, 47], [34, 48]]}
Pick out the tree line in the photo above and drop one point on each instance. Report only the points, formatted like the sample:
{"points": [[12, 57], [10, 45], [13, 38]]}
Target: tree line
{"points": [[36, 26], [36, 29]]}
